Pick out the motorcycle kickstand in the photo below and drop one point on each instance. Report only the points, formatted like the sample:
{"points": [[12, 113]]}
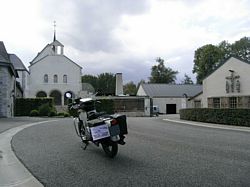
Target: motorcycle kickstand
{"points": [[86, 145]]}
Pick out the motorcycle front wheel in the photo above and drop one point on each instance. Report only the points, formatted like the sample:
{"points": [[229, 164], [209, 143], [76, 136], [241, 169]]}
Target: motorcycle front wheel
{"points": [[110, 148]]}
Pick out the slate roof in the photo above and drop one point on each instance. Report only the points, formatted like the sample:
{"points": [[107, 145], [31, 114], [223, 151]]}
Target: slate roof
{"points": [[171, 90], [4, 57], [17, 63]]}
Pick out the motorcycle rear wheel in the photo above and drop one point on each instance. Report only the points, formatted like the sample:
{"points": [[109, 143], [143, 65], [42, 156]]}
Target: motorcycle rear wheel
{"points": [[110, 148]]}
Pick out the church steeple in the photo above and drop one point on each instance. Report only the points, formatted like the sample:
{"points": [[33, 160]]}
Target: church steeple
{"points": [[57, 47], [54, 31]]}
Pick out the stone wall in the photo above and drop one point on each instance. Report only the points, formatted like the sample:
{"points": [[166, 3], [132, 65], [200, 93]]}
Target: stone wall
{"points": [[3, 91]]}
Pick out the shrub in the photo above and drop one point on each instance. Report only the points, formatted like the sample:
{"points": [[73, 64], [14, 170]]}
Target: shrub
{"points": [[239, 117], [47, 110], [34, 113], [44, 109], [60, 114], [23, 106], [52, 113], [66, 114]]}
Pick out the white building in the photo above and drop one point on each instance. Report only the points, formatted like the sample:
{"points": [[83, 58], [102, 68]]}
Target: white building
{"points": [[227, 86], [170, 98], [52, 74]]}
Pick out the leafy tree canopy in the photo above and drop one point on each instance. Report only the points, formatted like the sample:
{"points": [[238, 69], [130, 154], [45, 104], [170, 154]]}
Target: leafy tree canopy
{"points": [[162, 74], [104, 83], [130, 88], [187, 80], [208, 57]]}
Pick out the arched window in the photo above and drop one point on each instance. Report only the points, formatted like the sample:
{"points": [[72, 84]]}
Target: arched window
{"points": [[46, 78], [55, 79], [65, 79]]}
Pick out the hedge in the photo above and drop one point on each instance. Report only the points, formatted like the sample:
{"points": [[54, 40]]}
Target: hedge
{"points": [[238, 117], [23, 106]]}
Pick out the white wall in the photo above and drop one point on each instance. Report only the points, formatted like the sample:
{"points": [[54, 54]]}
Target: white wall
{"points": [[51, 65], [141, 92], [215, 84], [162, 102]]}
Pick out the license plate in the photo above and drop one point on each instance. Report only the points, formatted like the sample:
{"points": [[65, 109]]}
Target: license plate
{"points": [[99, 132]]}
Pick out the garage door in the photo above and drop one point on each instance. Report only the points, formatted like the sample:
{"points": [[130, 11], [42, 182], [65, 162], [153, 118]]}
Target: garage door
{"points": [[171, 108]]}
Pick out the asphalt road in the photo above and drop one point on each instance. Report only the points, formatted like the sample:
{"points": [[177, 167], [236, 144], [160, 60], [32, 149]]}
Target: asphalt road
{"points": [[157, 153]]}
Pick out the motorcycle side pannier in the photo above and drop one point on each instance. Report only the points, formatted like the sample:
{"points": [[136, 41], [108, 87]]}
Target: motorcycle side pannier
{"points": [[122, 121]]}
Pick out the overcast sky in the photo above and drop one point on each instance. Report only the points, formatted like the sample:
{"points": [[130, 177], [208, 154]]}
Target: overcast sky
{"points": [[123, 35]]}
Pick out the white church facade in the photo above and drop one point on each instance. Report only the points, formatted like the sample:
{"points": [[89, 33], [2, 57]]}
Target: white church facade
{"points": [[52, 74], [226, 87]]}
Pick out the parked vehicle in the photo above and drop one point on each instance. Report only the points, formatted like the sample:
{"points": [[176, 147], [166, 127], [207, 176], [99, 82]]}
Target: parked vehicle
{"points": [[156, 110], [98, 127]]}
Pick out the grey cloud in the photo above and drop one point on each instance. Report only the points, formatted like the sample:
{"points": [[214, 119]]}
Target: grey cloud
{"points": [[93, 21]]}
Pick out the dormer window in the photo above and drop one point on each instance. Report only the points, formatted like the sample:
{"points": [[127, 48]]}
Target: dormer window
{"points": [[55, 79], [46, 78]]}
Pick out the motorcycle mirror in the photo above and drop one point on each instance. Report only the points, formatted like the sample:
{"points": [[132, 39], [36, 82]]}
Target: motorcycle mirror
{"points": [[68, 95]]}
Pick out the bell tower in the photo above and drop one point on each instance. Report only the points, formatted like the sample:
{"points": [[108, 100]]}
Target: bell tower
{"points": [[57, 47]]}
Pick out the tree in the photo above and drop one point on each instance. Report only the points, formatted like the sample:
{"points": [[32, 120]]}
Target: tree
{"points": [[241, 48], [106, 84], [187, 80], [206, 59], [130, 88], [162, 74], [226, 49], [91, 79]]}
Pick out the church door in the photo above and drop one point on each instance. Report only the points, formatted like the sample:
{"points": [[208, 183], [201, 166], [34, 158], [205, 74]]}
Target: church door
{"points": [[57, 97]]}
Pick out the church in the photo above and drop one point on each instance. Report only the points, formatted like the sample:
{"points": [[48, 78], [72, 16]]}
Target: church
{"points": [[52, 74], [226, 87]]}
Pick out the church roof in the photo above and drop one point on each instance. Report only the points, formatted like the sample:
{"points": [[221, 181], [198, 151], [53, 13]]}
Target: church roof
{"points": [[5, 61], [57, 43], [171, 90], [17, 63], [4, 57]]}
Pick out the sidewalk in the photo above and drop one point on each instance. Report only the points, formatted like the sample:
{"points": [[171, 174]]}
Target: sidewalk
{"points": [[176, 119], [12, 171]]}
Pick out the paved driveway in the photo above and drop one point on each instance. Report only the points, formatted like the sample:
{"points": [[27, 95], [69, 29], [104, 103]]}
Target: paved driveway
{"points": [[157, 153]]}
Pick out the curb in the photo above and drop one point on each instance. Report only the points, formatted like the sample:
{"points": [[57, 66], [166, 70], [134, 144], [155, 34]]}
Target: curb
{"points": [[210, 125], [12, 171]]}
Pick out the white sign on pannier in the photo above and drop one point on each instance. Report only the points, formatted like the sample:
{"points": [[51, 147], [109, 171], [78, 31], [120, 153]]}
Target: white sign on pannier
{"points": [[99, 132]]}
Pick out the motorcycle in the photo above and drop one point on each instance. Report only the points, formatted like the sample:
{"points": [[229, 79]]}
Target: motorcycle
{"points": [[98, 127]]}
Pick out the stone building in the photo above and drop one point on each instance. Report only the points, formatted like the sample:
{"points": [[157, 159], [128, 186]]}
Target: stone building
{"points": [[8, 77]]}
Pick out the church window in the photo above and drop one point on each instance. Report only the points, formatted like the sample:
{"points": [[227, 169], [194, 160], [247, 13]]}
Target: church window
{"points": [[55, 79], [46, 78], [65, 79], [233, 102], [216, 102]]}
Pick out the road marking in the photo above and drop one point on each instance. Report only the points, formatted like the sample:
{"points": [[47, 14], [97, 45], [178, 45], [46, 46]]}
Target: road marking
{"points": [[218, 126], [12, 171]]}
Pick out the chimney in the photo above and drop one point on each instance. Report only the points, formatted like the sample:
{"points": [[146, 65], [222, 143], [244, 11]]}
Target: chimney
{"points": [[118, 84]]}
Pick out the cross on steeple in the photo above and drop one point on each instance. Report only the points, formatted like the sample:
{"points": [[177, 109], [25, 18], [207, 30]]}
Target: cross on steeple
{"points": [[54, 30]]}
